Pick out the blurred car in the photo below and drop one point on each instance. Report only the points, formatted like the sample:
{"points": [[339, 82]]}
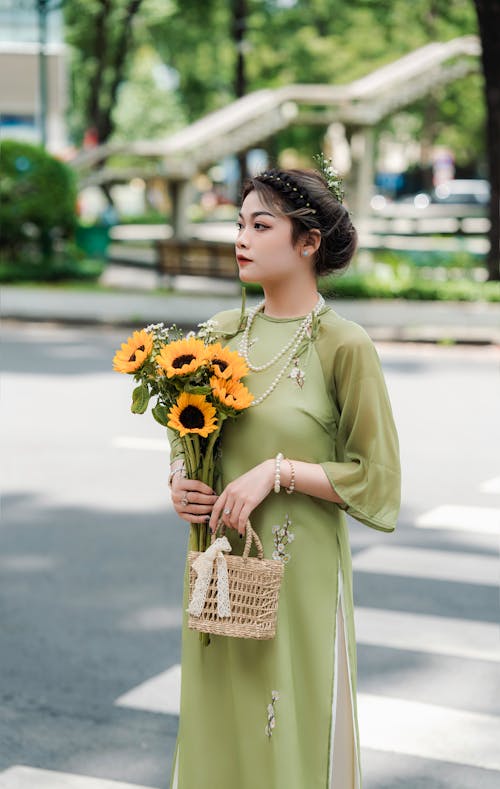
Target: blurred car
{"points": [[457, 192], [460, 192]]}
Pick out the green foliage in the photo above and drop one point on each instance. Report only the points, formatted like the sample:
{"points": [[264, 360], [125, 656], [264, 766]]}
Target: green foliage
{"points": [[37, 200], [306, 41], [146, 108], [358, 286], [69, 265], [140, 399]]}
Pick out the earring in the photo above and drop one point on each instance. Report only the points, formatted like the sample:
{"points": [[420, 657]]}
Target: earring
{"points": [[305, 253]]}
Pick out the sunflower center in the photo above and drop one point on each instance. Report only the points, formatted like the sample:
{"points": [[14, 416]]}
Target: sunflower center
{"points": [[221, 364], [180, 361], [191, 417], [133, 358]]}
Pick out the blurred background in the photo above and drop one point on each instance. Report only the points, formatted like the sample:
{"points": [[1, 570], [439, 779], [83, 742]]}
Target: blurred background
{"points": [[126, 130]]}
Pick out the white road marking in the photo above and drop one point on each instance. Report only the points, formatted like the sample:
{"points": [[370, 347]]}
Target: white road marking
{"points": [[386, 724], [437, 635], [480, 520], [422, 563], [21, 777], [490, 486], [161, 693], [151, 619], [132, 442], [429, 731]]}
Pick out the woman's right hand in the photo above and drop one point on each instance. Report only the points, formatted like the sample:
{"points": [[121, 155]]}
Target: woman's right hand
{"points": [[193, 501]]}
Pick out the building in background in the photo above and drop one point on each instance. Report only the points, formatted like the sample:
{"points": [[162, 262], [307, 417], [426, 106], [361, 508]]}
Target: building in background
{"points": [[20, 109]]}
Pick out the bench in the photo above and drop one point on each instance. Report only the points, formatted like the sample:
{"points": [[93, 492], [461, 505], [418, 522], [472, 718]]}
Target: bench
{"points": [[194, 257]]}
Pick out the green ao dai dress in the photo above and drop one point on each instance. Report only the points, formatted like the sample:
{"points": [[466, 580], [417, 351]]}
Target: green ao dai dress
{"points": [[281, 714]]}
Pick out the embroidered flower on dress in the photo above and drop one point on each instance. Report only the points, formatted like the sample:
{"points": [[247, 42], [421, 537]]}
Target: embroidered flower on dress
{"points": [[282, 537], [296, 374], [271, 715]]}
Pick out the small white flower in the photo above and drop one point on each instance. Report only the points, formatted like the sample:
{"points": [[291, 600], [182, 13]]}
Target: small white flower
{"points": [[291, 537], [275, 695]]}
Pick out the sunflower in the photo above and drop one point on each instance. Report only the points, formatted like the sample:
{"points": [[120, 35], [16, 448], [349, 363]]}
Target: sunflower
{"points": [[133, 353], [182, 357], [192, 414], [231, 393], [226, 364]]}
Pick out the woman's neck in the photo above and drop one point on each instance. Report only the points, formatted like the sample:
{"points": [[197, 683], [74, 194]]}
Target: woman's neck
{"points": [[292, 302]]}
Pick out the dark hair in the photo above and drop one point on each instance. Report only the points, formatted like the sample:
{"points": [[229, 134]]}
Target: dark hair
{"points": [[304, 197]]}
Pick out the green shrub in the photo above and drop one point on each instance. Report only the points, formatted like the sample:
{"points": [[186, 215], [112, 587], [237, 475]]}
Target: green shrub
{"points": [[37, 202], [70, 263], [358, 286]]}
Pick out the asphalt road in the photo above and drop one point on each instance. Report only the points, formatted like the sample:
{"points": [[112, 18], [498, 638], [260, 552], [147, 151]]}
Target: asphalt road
{"points": [[91, 565]]}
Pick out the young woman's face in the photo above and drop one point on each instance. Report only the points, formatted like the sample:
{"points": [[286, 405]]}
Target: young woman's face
{"points": [[264, 249]]}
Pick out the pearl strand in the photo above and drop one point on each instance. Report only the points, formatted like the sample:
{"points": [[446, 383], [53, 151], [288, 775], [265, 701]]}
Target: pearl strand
{"points": [[296, 340]]}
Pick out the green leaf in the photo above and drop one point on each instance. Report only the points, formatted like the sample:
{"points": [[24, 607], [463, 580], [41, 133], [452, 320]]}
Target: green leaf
{"points": [[160, 413], [140, 399], [199, 390]]}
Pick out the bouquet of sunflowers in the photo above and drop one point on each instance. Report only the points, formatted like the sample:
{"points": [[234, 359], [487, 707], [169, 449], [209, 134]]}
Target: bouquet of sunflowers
{"points": [[197, 385]]}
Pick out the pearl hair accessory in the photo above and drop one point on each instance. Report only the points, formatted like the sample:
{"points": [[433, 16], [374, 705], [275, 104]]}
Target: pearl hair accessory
{"points": [[277, 472], [292, 346]]}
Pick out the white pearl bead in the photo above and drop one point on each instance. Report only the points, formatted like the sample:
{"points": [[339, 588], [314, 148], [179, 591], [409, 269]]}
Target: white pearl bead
{"points": [[295, 342]]}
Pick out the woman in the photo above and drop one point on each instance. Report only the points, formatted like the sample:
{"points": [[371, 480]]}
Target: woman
{"points": [[281, 714]]}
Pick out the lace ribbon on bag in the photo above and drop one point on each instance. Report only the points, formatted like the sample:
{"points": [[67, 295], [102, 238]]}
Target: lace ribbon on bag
{"points": [[203, 566]]}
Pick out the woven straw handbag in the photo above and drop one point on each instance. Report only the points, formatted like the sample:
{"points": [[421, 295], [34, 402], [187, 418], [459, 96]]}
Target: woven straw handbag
{"points": [[234, 595]]}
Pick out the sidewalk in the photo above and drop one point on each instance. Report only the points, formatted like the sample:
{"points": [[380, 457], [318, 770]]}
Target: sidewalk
{"points": [[199, 299]]}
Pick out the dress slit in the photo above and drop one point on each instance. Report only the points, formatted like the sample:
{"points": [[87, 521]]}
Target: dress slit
{"points": [[344, 771]]}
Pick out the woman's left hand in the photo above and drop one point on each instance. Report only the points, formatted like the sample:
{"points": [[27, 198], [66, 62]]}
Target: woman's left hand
{"points": [[238, 500]]}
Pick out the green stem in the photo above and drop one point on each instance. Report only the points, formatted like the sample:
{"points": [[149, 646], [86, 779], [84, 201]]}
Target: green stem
{"points": [[189, 457], [196, 450]]}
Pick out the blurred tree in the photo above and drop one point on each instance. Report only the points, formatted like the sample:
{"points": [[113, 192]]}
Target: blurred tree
{"points": [[101, 34], [30, 219], [488, 14], [148, 105]]}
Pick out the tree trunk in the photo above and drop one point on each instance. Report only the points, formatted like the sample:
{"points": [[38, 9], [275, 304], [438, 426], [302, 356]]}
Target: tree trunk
{"points": [[488, 14], [239, 26]]}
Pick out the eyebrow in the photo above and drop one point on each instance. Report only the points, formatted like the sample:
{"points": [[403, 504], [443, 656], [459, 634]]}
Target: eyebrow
{"points": [[257, 213]]}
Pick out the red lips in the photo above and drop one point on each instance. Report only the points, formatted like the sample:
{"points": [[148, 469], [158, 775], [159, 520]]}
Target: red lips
{"points": [[242, 260]]}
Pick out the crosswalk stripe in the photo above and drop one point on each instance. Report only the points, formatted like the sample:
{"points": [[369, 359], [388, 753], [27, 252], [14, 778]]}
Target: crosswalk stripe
{"points": [[436, 635], [158, 694], [21, 777], [386, 724], [465, 568], [476, 520], [429, 731], [490, 486], [133, 442]]}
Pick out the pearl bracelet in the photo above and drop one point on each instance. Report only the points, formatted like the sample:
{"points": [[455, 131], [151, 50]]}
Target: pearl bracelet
{"points": [[291, 487], [277, 472]]}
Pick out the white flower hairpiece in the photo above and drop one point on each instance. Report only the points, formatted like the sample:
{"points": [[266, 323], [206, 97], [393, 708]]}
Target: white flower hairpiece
{"points": [[332, 177]]}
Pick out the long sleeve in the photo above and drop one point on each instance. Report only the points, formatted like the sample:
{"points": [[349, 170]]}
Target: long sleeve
{"points": [[366, 471], [176, 451]]}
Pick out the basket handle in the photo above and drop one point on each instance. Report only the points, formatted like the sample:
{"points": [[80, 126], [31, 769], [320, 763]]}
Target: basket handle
{"points": [[250, 535]]}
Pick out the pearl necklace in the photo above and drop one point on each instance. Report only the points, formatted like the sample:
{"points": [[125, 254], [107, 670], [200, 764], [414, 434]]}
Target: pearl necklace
{"points": [[292, 346]]}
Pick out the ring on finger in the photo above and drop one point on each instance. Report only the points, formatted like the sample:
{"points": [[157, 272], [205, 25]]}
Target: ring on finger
{"points": [[185, 500], [227, 511]]}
